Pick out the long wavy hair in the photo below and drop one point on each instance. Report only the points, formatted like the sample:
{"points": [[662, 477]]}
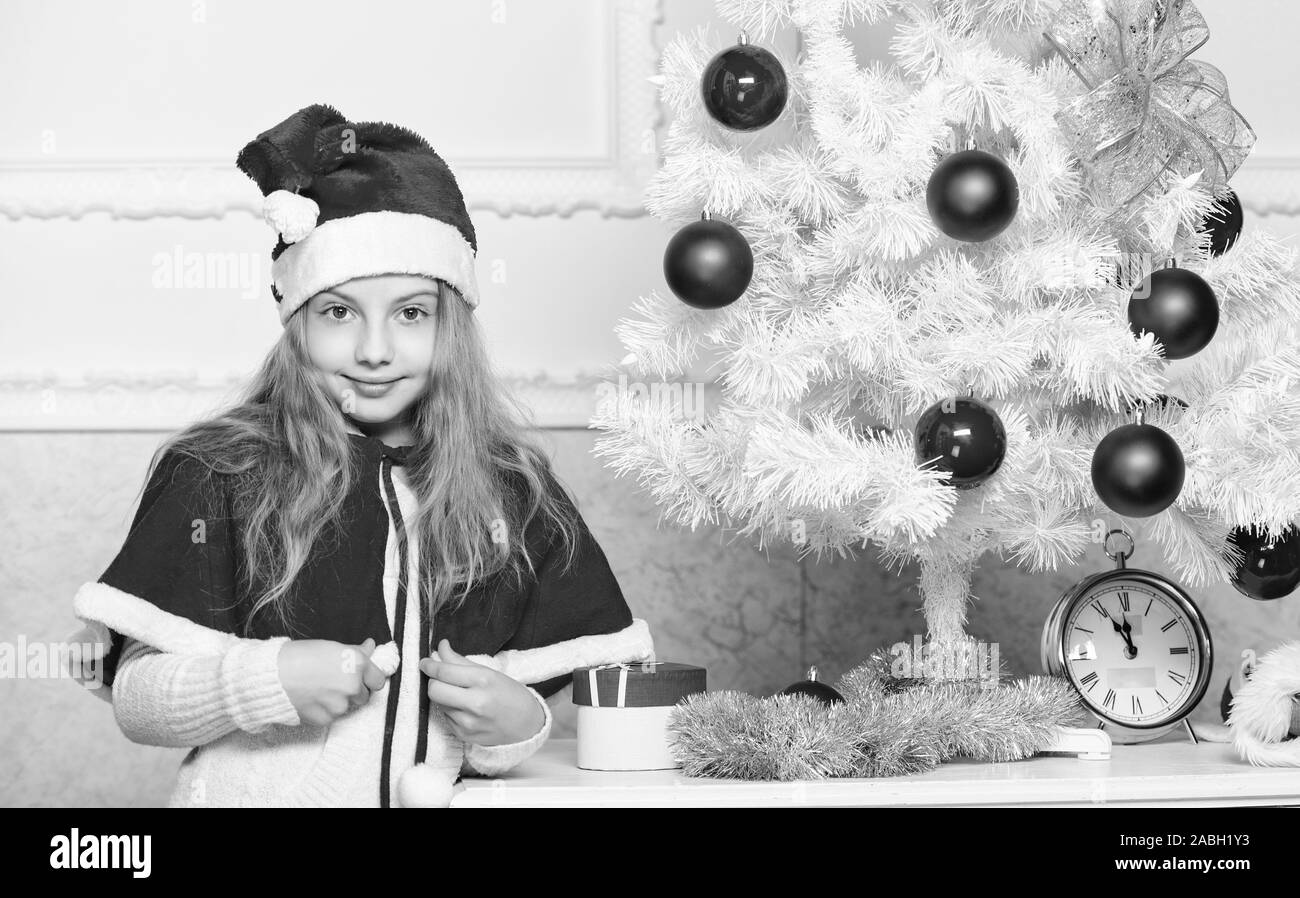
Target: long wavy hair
{"points": [[284, 449]]}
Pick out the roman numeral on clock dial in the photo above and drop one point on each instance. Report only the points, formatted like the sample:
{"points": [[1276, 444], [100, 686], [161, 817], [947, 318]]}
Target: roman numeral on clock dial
{"points": [[1090, 680]]}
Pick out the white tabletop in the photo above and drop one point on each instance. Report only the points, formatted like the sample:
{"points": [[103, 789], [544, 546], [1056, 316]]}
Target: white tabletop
{"points": [[1172, 771]]}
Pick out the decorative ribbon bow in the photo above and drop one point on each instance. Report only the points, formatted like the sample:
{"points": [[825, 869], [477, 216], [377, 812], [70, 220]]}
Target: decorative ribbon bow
{"points": [[623, 668], [1149, 109]]}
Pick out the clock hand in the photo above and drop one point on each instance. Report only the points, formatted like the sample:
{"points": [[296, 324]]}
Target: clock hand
{"points": [[1131, 649]]}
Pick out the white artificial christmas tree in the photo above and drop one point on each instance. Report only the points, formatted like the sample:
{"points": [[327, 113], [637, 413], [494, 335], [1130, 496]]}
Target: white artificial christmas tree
{"points": [[861, 313]]}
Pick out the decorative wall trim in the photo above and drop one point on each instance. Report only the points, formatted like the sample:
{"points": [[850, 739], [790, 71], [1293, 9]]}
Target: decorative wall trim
{"points": [[1269, 185], [528, 186], [166, 401]]}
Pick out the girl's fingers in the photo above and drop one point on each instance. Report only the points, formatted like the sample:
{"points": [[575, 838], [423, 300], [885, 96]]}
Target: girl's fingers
{"points": [[456, 725], [449, 672], [464, 725], [373, 677], [449, 696], [447, 653]]}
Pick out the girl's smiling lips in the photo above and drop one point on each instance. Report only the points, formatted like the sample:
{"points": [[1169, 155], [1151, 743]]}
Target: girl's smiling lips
{"points": [[373, 388], [373, 382]]}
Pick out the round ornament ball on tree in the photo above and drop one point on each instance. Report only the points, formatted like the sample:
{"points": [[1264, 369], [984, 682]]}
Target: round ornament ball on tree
{"points": [[1179, 307], [963, 436], [1138, 470], [814, 687], [972, 196], [708, 264], [744, 87], [1271, 567], [1224, 223]]}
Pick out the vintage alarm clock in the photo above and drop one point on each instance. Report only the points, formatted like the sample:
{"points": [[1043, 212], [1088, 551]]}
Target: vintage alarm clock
{"points": [[1134, 645]]}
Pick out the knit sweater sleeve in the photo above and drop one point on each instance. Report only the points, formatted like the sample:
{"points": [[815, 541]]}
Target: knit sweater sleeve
{"points": [[493, 760], [174, 700]]}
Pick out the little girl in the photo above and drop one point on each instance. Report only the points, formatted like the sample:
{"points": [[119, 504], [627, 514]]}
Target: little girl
{"points": [[294, 558]]}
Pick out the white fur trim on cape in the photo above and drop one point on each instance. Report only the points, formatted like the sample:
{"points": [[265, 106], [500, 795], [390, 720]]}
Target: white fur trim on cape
{"points": [[1261, 710], [102, 608], [632, 643], [372, 243]]}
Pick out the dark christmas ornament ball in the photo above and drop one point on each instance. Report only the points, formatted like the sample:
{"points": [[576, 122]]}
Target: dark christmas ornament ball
{"points": [[708, 264], [972, 196], [744, 88], [1179, 307], [825, 694], [1224, 224], [1269, 570], [963, 436], [1138, 470]]}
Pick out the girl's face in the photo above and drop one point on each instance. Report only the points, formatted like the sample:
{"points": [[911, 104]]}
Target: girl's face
{"points": [[371, 340]]}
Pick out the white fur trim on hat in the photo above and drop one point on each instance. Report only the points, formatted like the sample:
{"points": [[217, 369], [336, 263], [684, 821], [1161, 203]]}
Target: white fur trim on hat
{"points": [[373, 243], [1261, 711]]}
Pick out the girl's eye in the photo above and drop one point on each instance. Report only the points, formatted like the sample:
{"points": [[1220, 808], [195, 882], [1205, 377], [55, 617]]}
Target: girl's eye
{"points": [[329, 311]]}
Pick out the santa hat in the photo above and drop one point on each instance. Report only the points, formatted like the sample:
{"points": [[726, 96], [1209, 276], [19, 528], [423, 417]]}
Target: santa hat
{"points": [[353, 199], [1264, 713]]}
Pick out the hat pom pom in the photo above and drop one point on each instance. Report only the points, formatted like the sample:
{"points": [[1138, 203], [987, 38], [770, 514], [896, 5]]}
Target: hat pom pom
{"points": [[292, 215]]}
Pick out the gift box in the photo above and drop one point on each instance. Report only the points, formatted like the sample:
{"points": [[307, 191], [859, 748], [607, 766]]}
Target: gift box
{"points": [[623, 712]]}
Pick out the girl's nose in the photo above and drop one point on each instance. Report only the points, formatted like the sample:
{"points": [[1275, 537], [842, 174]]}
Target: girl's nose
{"points": [[375, 345]]}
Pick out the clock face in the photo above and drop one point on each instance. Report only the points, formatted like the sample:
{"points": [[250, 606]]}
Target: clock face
{"points": [[1133, 653]]}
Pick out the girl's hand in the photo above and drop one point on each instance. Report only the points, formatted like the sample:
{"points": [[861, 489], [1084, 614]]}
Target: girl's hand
{"points": [[326, 679], [484, 706]]}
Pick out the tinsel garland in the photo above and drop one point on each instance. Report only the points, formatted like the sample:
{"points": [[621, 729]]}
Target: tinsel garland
{"points": [[887, 726]]}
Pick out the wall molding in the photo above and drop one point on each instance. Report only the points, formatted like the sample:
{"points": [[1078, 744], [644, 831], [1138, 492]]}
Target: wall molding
{"points": [[1269, 185], [212, 188], [166, 401]]}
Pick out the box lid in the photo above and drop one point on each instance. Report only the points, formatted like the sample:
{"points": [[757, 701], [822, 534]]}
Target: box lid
{"points": [[636, 684]]}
